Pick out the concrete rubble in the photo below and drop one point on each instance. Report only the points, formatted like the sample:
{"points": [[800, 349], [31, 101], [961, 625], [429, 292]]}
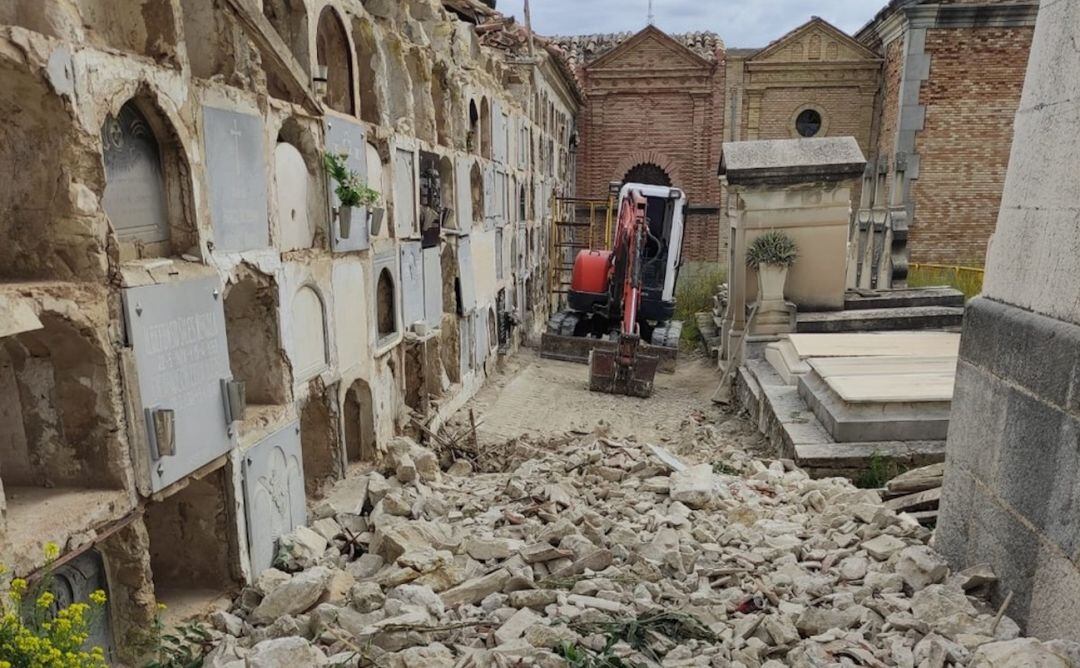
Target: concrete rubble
{"points": [[604, 549]]}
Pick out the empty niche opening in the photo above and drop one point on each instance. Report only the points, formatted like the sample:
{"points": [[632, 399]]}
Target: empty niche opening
{"points": [[309, 333], [146, 28], [448, 192], [298, 182], [386, 305], [193, 552], [59, 455], [319, 440], [146, 183], [251, 327], [74, 582], [332, 51], [433, 206], [440, 101], [476, 189], [529, 295], [523, 202], [449, 347], [423, 107], [485, 128], [369, 67], [493, 327], [359, 419], [290, 21], [472, 140], [223, 51]]}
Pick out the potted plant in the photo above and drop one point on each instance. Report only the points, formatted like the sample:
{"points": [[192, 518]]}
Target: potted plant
{"points": [[771, 254], [351, 192]]}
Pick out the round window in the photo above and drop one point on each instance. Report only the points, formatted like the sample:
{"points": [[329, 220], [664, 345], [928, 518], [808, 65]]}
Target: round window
{"points": [[808, 123]]}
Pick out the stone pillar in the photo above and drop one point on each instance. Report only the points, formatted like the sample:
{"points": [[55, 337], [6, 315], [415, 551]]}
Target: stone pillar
{"points": [[1011, 496], [803, 188]]}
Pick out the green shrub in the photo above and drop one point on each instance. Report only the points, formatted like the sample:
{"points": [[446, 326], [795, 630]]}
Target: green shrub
{"points": [[694, 293]]}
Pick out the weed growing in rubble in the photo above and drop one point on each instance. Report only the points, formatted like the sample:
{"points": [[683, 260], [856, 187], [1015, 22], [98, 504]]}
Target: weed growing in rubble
{"points": [[582, 657], [185, 647], [36, 633], [881, 470]]}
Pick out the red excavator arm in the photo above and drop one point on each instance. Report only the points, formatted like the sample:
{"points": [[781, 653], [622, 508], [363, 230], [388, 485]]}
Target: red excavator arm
{"points": [[626, 371]]}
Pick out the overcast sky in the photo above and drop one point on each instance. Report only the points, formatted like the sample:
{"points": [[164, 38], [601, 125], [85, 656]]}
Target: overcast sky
{"points": [[741, 23]]}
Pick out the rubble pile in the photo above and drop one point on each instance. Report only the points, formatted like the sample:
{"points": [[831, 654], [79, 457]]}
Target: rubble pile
{"points": [[613, 553]]}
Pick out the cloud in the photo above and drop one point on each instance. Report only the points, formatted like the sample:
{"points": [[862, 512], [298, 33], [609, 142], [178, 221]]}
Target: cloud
{"points": [[750, 23]]}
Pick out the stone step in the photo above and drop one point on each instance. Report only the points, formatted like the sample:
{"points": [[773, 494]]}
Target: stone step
{"points": [[880, 319], [904, 298]]}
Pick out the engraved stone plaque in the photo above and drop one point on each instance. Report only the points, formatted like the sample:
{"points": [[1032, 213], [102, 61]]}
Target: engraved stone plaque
{"points": [[134, 196], [465, 275], [412, 283], [177, 334], [273, 493], [405, 194], [433, 304], [236, 175], [344, 136]]}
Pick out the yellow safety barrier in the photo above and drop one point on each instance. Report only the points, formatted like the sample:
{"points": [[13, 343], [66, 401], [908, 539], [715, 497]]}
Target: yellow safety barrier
{"points": [[968, 280]]}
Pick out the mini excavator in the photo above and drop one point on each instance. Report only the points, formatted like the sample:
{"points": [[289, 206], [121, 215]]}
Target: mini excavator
{"points": [[626, 296]]}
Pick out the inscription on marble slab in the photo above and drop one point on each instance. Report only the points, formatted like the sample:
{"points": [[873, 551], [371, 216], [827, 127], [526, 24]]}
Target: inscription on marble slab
{"points": [[344, 136], [465, 275], [236, 172], [412, 283], [273, 493], [177, 334]]}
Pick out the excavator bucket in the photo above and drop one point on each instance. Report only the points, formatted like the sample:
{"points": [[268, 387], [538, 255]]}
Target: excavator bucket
{"points": [[625, 370]]}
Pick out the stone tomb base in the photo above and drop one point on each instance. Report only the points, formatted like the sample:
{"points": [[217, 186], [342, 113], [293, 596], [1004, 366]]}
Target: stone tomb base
{"points": [[832, 402]]}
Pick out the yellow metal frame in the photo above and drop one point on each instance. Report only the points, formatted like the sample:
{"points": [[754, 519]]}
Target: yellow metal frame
{"points": [[968, 280], [564, 235]]}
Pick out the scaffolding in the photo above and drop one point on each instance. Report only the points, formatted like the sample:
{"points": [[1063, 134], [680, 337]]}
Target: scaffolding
{"points": [[577, 224]]}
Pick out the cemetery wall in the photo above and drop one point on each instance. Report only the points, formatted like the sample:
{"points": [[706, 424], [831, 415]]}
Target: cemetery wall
{"points": [[195, 336]]}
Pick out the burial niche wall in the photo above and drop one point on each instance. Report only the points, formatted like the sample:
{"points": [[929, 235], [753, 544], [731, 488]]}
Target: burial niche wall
{"points": [[448, 192], [476, 189], [485, 128], [332, 50], [472, 142], [441, 102], [369, 68], [319, 438], [251, 327], [145, 183], [359, 427], [193, 552], [423, 108]]}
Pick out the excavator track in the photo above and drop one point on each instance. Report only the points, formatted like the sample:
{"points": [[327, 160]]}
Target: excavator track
{"points": [[667, 336]]}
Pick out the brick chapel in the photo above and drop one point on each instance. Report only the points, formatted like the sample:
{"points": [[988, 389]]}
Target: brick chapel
{"points": [[928, 88]]}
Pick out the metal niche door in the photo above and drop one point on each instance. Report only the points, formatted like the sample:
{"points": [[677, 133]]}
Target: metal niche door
{"points": [[177, 334], [273, 493]]}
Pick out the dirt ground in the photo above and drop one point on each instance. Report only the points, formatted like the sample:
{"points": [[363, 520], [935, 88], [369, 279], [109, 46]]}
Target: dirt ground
{"points": [[540, 398]]}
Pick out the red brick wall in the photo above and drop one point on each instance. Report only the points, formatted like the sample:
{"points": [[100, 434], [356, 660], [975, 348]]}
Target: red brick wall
{"points": [[848, 112], [656, 106], [971, 98]]}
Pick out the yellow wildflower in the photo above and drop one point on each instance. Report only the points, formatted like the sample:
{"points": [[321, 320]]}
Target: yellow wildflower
{"points": [[98, 597], [18, 586], [46, 600], [52, 551]]}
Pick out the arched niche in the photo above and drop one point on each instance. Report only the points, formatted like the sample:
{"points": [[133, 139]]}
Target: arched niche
{"points": [[148, 30], [449, 191], [309, 333], [333, 53], [485, 128], [146, 182], [476, 189], [298, 181], [290, 21], [386, 304], [472, 142], [423, 107], [493, 328], [369, 68], [523, 213], [358, 416], [441, 102]]}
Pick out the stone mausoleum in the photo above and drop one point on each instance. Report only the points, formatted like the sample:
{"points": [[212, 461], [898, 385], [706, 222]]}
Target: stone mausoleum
{"points": [[195, 336]]}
